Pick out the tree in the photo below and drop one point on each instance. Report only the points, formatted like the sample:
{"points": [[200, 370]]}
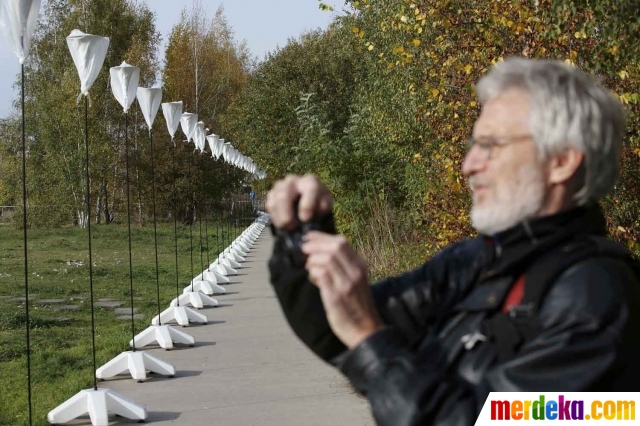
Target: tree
{"points": [[205, 68], [55, 123]]}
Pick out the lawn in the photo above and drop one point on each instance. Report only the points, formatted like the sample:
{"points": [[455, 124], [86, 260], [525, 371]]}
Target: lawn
{"points": [[61, 362]]}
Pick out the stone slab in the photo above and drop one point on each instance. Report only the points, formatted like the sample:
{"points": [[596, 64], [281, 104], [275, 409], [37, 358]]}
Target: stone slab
{"points": [[124, 311], [128, 317], [108, 304], [67, 308], [49, 301]]}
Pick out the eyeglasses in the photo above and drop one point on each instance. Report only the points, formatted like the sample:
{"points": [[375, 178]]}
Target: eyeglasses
{"points": [[488, 143]]}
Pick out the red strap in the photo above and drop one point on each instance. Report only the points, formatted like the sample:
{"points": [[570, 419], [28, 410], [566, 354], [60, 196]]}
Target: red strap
{"points": [[515, 295]]}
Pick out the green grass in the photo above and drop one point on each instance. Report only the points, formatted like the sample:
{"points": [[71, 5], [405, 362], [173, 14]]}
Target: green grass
{"points": [[61, 361]]}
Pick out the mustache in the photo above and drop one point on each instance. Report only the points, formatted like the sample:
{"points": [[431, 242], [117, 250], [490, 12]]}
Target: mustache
{"points": [[475, 181]]}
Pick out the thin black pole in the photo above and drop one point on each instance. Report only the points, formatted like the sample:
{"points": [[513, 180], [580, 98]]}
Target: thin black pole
{"points": [[191, 217], [206, 232], [26, 261], [126, 143], [155, 231], [200, 220], [219, 229], [226, 236], [175, 217], [88, 197]]}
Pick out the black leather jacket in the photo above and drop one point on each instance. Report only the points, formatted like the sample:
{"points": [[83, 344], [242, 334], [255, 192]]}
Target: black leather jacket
{"points": [[416, 371]]}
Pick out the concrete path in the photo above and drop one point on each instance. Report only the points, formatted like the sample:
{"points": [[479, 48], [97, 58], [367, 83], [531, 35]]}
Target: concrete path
{"points": [[247, 367]]}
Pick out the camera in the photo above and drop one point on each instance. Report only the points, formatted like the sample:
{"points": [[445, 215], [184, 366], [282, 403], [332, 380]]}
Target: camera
{"points": [[293, 239]]}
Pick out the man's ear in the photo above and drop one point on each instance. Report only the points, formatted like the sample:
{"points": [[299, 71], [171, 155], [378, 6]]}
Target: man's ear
{"points": [[563, 166]]}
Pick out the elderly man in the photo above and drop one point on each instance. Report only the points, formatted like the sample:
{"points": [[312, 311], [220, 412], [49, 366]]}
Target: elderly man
{"points": [[541, 300]]}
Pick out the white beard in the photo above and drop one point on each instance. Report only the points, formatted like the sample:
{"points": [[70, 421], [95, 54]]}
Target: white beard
{"points": [[520, 200]]}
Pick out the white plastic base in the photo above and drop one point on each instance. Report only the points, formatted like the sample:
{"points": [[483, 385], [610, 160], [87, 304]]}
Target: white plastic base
{"points": [[164, 335], [205, 287], [243, 245], [233, 255], [137, 364], [180, 314], [220, 276], [98, 404], [223, 269], [237, 252], [214, 277], [229, 264], [194, 299]]}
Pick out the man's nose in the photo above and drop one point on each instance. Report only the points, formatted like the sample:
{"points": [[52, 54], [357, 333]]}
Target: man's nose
{"points": [[474, 161]]}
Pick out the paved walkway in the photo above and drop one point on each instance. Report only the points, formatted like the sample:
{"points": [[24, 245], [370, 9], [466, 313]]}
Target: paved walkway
{"points": [[247, 367]]}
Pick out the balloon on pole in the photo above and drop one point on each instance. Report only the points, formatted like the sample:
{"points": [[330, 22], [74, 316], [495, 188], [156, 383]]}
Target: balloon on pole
{"points": [[188, 122], [18, 20], [149, 100], [88, 52]]}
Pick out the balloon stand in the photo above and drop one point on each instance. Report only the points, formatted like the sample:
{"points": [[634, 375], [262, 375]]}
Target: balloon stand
{"points": [[135, 363], [164, 336], [195, 299], [204, 286], [98, 404], [180, 315]]}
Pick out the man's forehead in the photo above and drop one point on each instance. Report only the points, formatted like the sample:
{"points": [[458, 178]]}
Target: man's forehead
{"points": [[504, 114]]}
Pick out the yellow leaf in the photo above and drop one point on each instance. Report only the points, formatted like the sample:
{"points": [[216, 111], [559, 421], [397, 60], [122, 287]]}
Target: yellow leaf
{"points": [[404, 19], [435, 92], [391, 65], [370, 47], [577, 34], [416, 42], [468, 69], [420, 30], [355, 30], [623, 74], [473, 103], [361, 34], [621, 229]]}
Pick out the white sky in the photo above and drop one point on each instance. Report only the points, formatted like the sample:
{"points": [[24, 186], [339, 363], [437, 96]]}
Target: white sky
{"points": [[264, 24]]}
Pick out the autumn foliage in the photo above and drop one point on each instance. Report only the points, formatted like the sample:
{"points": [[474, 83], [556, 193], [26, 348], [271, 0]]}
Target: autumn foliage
{"points": [[408, 85]]}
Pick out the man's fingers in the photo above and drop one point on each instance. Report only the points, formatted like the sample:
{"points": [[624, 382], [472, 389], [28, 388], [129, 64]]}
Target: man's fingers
{"points": [[280, 202], [320, 276], [311, 191], [314, 198]]}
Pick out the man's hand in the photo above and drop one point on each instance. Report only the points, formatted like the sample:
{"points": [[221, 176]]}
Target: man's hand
{"points": [[341, 275], [315, 198]]}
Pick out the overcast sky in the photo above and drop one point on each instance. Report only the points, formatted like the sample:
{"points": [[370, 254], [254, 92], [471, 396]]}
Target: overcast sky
{"points": [[264, 24]]}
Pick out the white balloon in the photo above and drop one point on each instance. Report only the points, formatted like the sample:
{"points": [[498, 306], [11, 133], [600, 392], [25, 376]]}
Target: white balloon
{"points": [[149, 100], [200, 138], [188, 122], [17, 23], [124, 84], [172, 112], [88, 52]]}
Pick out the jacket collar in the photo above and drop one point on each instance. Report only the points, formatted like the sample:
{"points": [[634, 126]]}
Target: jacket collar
{"points": [[513, 246]]}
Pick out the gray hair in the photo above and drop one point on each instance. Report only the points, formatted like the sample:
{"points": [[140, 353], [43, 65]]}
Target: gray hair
{"points": [[568, 109]]}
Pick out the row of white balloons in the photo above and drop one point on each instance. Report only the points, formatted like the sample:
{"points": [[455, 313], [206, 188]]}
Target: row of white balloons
{"points": [[88, 52], [17, 23]]}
